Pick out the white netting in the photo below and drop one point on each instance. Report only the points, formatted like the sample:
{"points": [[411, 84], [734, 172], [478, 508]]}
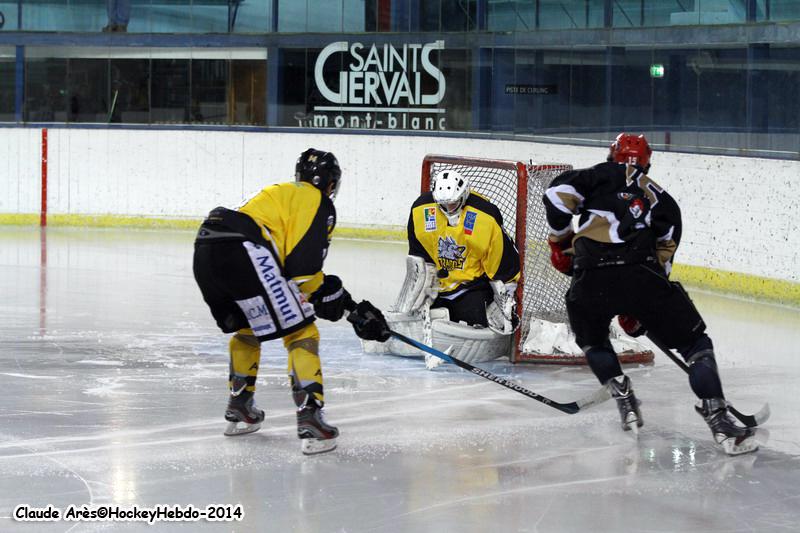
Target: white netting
{"points": [[544, 332]]}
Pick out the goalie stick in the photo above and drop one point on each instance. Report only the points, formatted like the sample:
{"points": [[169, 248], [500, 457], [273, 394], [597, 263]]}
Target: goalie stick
{"points": [[750, 421], [570, 408]]}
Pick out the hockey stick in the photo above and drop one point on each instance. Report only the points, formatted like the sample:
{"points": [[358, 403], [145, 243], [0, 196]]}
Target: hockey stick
{"points": [[750, 421], [570, 408]]}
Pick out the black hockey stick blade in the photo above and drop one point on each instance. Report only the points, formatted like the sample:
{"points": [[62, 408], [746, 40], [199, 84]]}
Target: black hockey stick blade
{"points": [[600, 396], [750, 421], [754, 420]]}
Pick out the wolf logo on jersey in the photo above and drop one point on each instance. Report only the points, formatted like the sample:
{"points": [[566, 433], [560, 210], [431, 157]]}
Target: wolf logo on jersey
{"points": [[451, 254]]}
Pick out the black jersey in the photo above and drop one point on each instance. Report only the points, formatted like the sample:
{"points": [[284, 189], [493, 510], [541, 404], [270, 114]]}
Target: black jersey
{"points": [[622, 213]]}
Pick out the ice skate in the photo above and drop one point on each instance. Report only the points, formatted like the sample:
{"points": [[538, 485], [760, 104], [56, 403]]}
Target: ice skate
{"points": [[317, 436], [733, 439], [627, 403], [242, 414]]}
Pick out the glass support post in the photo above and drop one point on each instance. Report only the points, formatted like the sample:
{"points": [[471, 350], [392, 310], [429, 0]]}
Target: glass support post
{"points": [[274, 83], [19, 83]]}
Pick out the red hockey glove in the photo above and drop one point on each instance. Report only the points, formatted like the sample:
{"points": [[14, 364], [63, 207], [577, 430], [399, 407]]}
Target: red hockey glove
{"points": [[631, 326], [561, 261]]}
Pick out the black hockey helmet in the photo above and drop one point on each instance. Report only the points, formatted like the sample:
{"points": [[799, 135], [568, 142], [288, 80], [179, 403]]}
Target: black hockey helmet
{"points": [[319, 168]]}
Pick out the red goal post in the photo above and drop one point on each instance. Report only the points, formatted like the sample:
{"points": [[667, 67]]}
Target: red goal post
{"points": [[516, 189]]}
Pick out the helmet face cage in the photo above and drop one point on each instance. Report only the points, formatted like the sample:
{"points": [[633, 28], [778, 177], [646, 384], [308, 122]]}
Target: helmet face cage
{"points": [[631, 149], [321, 169], [450, 192]]}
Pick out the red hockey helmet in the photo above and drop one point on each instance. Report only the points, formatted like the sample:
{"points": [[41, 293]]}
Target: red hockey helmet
{"points": [[630, 149]]}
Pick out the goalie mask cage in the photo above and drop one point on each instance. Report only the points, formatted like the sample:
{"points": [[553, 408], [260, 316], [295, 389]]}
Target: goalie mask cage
{"points": [[516, 189]]}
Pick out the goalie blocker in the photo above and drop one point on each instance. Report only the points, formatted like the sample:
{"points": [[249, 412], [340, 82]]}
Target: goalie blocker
{"points": [[413, 317]]}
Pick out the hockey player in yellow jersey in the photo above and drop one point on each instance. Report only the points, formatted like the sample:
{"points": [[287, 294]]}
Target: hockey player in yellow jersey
{"points": [[461, 233], [259, 269], [461, 277]]}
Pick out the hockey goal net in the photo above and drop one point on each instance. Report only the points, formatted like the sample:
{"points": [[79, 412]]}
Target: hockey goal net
{"points": [[516, 189]]}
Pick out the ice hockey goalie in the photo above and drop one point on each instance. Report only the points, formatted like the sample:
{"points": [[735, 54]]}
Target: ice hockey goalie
{"points": [[459, 291]]}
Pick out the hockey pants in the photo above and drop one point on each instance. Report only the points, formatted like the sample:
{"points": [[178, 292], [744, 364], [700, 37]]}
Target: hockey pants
{"points": [[597, 295]]}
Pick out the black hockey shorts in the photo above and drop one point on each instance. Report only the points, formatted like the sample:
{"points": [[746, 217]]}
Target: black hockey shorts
{"points": [[469, 306], [244, 286], [642, 291]]}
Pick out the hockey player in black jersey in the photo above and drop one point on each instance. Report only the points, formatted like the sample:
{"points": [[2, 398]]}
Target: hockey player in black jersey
{"points": [[620, 258]]}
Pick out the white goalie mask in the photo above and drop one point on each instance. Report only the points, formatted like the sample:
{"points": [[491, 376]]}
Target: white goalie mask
{"points": [[450, 192]]}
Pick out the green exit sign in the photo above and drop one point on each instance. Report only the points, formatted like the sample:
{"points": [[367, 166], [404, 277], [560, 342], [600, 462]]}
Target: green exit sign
{"points": [[657, 71]]}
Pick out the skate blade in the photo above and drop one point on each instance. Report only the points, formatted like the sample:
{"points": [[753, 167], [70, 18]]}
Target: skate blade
{"points": [[317, 446], [234, 429], [632, 425], [731, 447], [632, 430]]}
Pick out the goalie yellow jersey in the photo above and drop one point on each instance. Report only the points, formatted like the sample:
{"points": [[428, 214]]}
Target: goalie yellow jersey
{"points": [[467, 254], [299, 220]]}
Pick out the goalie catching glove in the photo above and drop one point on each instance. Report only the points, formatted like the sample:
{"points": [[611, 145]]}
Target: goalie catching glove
{"points": [[368, 322], [330, 299], [505, 301]]}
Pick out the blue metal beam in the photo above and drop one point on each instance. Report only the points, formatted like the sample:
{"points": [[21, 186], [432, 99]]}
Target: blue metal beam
{"points": [[598, 38]]}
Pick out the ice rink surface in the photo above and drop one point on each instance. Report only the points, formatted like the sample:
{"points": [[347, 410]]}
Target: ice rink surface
{"points": [[113, 386]]}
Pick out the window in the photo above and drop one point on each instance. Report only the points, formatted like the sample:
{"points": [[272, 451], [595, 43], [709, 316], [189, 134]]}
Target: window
{"points": [[130, 91], [209, 86], [248, 92], [569, 14], [293, 97], [45, 90], [87, 88], [675, 96], [448, 16], [169, 96], [7, 89], [722, 84]]}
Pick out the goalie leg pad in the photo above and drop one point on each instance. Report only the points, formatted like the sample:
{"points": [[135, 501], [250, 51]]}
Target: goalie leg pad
{"points": [[410, 325], [469, 344], [418, 287]]}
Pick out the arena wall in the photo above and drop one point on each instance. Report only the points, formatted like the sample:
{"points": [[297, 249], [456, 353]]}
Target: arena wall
{"points": [[741, 233]]}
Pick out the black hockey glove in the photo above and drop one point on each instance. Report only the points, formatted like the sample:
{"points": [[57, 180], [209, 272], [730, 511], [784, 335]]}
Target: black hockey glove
{"points": [[330, 299], [368, 322]]}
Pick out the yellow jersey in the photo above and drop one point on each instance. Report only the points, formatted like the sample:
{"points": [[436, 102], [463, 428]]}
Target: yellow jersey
{"points": [[299, 220], [468, 253]]}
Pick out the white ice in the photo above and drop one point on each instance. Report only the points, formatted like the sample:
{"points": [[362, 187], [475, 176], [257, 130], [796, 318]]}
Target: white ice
{"points": [[113, 385]]}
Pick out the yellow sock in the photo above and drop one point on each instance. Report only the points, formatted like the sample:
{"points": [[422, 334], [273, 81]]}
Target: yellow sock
{"points": [[304, 366], [245, 353]]}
